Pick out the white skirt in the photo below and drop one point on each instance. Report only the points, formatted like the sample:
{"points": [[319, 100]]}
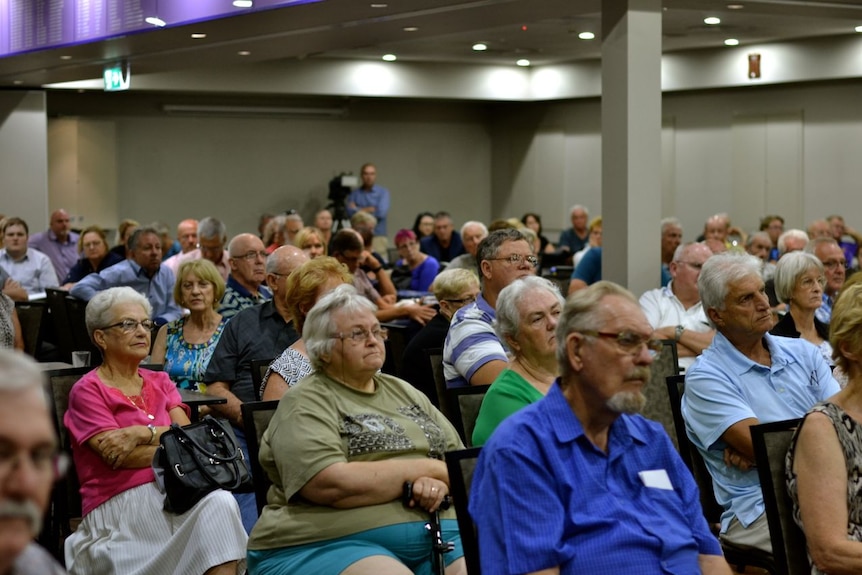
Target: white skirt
{"points": [[130, 534]]}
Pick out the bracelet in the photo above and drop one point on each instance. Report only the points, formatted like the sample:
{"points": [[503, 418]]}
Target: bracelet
{"points": [[678, 334], [152, 429]]}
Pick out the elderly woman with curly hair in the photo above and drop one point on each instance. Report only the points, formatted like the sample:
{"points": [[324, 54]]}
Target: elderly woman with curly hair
{"points": [[339, 449], [116, 414]]}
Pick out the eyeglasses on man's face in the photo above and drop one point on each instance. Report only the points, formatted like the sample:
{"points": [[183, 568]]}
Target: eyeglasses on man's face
{"points": [[251, 256], [47, 461], [629, 342], [359, 335], [462, 301], [516, 259], [832, 264], [130, 325]]}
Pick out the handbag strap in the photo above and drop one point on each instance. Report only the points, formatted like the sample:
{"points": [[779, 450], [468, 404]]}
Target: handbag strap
{"points": [[215, 427]]}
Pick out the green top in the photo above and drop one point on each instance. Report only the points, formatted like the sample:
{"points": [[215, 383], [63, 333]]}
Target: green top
{"points": [[508, 393], [320, 422]]}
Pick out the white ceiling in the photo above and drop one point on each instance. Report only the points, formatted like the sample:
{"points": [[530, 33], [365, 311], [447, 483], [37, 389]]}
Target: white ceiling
{"points": [[543, 31]]}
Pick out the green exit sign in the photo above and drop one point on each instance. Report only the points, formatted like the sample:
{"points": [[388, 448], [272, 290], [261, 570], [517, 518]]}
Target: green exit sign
{"points": [[117, 77]]}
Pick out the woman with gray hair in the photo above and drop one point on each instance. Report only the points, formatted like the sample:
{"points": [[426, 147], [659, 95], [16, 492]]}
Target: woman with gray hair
{"points": [[799, 282], [116, 414], [339, 450], [527, 314]]}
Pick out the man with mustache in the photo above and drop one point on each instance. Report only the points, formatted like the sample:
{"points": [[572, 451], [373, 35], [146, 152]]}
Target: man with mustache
{"points": [[745, 377], [28, 466], [578, 482]]}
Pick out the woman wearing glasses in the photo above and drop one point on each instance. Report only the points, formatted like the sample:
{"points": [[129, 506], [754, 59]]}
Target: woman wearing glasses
{"points": [[423, 268], [116, 415], [186, 345], [95, 257], [527, 314], [340, 448]]}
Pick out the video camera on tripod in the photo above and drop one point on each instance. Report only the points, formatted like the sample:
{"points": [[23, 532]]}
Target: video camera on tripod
{"points": [[339, 189]]}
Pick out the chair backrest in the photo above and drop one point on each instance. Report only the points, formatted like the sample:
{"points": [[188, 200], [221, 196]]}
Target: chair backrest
{"points": [[771, 441], [56, 299], [256, 416], [30, 316], [435, 357], [464, 403], [76, 310], [658, 406], [461, 465], [258, 370]]}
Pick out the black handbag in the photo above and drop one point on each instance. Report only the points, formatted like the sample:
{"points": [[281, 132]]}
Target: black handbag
{"points": [[197, 459]]}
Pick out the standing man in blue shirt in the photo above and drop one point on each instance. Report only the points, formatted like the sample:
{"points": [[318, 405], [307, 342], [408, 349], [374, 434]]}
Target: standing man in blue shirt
{"points": [[578, 482], [371, 198]]}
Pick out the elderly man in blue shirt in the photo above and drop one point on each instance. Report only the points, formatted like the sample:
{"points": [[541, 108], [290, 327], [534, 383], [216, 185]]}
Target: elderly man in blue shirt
{"points": [[578, 482], [745, 377], [143, 272]]}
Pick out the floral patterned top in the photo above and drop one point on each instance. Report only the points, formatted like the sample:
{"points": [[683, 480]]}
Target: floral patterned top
{"points": [[186, 362]]}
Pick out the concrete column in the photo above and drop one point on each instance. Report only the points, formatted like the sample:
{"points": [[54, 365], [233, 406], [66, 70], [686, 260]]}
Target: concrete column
{"points": [[24, 157], [631, 142]]}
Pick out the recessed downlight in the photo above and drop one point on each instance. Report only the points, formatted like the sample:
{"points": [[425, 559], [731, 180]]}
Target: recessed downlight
{"points": [[380, 5], [586, 36], [243, 53], [390, 57], [712, 20], [735, 6], [523, 62], [65, 57], [198, 36], [731, 42], [480, 47], [858, 28], [411, 28], [243, 3], [155, 21]]}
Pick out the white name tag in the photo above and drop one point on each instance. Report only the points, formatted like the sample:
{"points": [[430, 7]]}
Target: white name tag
{"points": [[656, 478]]}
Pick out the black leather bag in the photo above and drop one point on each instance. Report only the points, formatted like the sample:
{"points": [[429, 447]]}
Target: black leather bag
{"points": [[197, 459]]}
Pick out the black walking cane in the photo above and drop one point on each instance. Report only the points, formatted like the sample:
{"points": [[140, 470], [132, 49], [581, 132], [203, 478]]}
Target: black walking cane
{"points": [[438, 546]]}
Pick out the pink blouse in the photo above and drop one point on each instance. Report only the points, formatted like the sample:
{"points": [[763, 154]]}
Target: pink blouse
{"points": [[95, 407]]}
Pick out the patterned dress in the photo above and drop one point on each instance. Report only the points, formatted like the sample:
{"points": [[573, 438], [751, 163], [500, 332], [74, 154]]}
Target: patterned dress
{"points": [[850, 437], [186, 362], [291, 365], [7, 328]]}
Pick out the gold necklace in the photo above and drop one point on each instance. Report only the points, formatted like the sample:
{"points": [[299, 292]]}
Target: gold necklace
{"points": [[143, 402]]}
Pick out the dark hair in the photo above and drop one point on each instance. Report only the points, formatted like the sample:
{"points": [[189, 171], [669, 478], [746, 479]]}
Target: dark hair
{"points": [[132, 244], [536, 217], [766, 220], [489, 247], [345, 241], [419, 217]]}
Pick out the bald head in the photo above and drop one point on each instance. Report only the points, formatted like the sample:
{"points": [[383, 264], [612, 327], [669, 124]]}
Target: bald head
{"points": [[61, 224], [279, 265]]}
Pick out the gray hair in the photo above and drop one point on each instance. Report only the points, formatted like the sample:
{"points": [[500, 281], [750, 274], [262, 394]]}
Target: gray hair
{"points": [[788, 270], [100, 308], [718, 272], [211, 228], [451, 282], [812, 245], [667, 222], [293, 218], [753, 236], [576, 207], [581, 313], [508, 320], [677, 253], [19, 373], [490, 246], [319, 325], [161, 228], [135, 238], [474, 223], [782, 239]]}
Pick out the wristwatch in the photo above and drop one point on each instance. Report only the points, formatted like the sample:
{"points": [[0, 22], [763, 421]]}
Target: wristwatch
{"points": [[678, 334]]}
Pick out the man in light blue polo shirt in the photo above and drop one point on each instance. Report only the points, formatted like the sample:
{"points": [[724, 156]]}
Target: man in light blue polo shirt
{"points": [[746, 377]]}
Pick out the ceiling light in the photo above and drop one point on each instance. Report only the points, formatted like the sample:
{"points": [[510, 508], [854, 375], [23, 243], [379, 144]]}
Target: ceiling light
{"points": [[735, 6], [480, 47], [390, 57], [411, 28], [380, 5], [731, 42], [65, 57], [859, 28], [523, 62], [17, 82], [243, 3], [243, 53], [586, 36], [712, 20], [155, 21], [198, 36]]}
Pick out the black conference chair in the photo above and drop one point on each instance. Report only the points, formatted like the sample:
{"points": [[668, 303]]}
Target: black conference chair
{"points": [[258, 370], [461, 465], [435, 358], [771, 441], [256, 416], [463, 404]]}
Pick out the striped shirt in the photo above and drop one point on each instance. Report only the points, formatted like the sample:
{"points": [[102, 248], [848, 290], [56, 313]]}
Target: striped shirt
{"points": [[471, 343]]}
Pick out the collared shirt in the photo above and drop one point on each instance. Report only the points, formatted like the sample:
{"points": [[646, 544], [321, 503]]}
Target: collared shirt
{"points": [[589, 269], [662, 308], [378, 198], [63, 255], [34, 271], [724, 387], [236, 298], [824, 312], [569, 238], [431, 245], [159, 290], [174, 262], [543, 495], [258, 332], [471, 343]]}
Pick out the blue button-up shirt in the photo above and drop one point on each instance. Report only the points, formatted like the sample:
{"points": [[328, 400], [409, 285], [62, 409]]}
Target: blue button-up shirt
{"points": [[63, 255], [377, 197], [724, 387], [159, 290], [34, 271], [543, 495]]}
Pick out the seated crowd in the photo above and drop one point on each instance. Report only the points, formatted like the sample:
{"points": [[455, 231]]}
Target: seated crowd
{"points": [[759, 329]]}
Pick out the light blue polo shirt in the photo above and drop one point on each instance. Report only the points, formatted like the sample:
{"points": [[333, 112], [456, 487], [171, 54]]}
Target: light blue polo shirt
{"points": [[724, 387]]}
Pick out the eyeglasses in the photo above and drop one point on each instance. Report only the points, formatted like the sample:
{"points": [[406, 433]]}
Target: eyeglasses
{"points": [[359, 335], [832, 264], [630, 342], [809, 283], [45, 461], [130, 325], [516, 259], [693, 265], [463, 300], [251, 256]]}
